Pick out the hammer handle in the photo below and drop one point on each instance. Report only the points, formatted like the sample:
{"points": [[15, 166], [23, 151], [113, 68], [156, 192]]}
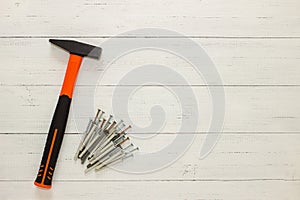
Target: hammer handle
{"points": [[53, 142], [58, 125]]}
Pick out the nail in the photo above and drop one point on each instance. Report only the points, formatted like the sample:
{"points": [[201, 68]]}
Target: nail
{"points": [[126, 129], [111, 126], [101, 126]]}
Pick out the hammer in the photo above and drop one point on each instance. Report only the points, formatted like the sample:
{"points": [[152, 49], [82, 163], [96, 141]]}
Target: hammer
{"points": [[56, 132]]}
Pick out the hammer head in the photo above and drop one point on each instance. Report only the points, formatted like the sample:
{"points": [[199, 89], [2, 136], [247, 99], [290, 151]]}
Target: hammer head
{"points": [[78, 48]]}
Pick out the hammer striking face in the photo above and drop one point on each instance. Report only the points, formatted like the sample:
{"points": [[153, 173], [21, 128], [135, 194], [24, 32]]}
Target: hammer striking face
{"points": [[56, 132]]}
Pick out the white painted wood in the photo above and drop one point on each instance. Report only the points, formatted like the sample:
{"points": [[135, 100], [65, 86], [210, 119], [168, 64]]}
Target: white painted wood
{"points": [[255, 46], [193, 18], [238, 61], [258, 190], [248, 109], [235, 157]]}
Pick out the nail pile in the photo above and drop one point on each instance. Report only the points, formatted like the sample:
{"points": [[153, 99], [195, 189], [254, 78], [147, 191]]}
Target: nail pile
{"points": [[104, 143]]}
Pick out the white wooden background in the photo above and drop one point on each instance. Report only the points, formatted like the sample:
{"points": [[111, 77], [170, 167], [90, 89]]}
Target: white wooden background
{"points": [[255, 45]]}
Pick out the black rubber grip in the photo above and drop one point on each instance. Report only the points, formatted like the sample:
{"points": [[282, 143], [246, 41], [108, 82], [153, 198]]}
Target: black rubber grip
{"points": [[53, 142]]}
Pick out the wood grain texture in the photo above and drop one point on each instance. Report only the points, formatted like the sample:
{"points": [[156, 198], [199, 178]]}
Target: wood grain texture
{"points": [[254, 190], [235, 158], [244, 18], [238, 61], [248, 109], [255, 46]]}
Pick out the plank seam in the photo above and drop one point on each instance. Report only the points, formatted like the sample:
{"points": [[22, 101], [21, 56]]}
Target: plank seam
{"points": [[184, 133], [168, 180], [162, 36], [153, 85]]}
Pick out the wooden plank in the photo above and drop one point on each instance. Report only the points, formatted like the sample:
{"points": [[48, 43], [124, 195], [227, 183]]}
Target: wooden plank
{"points": [[247, 109], [235, 157], [238, 61], [255, 46], [201, 18], [258, 190]]}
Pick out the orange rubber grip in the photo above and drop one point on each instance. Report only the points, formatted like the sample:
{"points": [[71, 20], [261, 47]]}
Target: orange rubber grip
{"points": [[71, 75]]}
